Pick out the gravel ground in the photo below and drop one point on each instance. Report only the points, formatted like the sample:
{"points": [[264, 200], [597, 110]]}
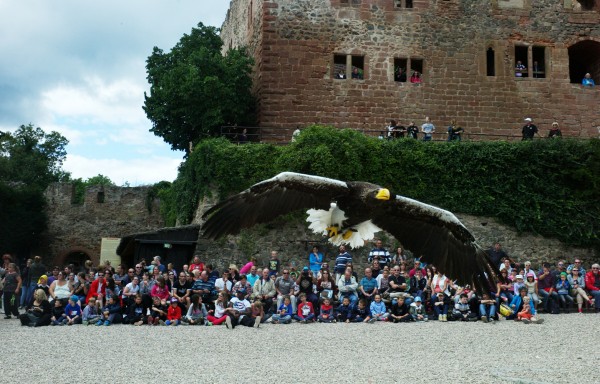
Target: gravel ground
{"points": [[563, 349]]}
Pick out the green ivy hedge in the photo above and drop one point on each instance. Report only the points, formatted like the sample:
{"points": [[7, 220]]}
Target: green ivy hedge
{"points": [[550, 187]]}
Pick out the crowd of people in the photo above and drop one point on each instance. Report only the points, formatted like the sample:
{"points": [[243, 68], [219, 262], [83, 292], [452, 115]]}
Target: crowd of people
{"points": [[393, 288]]}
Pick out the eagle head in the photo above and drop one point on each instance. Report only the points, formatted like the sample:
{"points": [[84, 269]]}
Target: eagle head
{"points": [[383, 194]]}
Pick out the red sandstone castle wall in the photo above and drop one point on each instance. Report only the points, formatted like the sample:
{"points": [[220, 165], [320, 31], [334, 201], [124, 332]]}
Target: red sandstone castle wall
{"points": [[294, 42]]}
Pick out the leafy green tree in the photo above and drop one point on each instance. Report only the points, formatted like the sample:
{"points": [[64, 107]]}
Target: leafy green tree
{"points": [[32, 156], [30, 159], [194, 89], [81, 185]]}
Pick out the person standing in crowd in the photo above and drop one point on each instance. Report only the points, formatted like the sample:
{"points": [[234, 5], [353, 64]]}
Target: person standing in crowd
{"points": [[412, 130], [380, 254], [315, 260], [496, 254], [341, 260], [12, 287], [454, 131], [36, 270]]}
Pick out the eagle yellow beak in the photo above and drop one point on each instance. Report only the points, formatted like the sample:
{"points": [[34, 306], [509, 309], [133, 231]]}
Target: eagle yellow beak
{"points": [[383, 194]]}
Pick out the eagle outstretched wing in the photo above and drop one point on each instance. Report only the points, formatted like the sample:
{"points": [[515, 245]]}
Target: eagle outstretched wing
{"points": [[439, 238], [269, 199]]}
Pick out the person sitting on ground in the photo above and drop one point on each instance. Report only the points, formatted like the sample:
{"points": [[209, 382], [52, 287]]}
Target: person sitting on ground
{"points": [[173, 313], [526, 312], [462, 309], [73, 311], [219, 314], [306, 312], [397, 285], [284, 312], [417, 284], [577, 283], [383, 282], [326, 312], [39, 313], [90, 314], [587, 81], [504, 288], [240, 312], [61, 289], [58, 313], [360, 313], [158, 311], [182, 289], [136, 312], [305, 284], [378, 310], [343, 312], [547, 290], [441, 303], [563, 289], [196, 313], [111, 312], [326, 285], [487, 308], [400, 311], [417, 310]]}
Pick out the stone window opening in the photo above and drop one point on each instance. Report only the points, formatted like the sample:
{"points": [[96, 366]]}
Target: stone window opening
{"points": [[520, 66], [586, 5], [403, 4], [490, 62], [348, 67], [584, 57], [350, 2], [538, 67], [100, 197], [416, 68], [400, 70]]}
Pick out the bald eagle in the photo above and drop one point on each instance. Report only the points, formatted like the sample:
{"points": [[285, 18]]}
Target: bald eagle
{"points": [[351, 213]]}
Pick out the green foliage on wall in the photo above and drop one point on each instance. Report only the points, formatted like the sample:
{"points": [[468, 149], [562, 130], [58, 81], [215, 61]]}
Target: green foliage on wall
{"points": [[550, 187]]}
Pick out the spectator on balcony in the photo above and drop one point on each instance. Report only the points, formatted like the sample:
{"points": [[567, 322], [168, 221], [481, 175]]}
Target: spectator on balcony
{"points": [[400, 75], [529, 129], [588, 81], [416, 78], [356, 74], [554, 131], [520, 69]]}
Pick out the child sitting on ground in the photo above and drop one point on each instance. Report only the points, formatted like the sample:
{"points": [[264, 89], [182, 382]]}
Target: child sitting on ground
{"points": [[462, 310], [306, 311], [284, 312], [72, 311], [90, 312], [173, 313], [111, 313], [563, 288], [487, 308], [158, 311], [344, 311], [196, 313], [361, 313], [417, 310], [527, 313], [136, 314], [400, 311], [219, 316], [441, 303], [378, 310], [326, 315], [58, 313]]}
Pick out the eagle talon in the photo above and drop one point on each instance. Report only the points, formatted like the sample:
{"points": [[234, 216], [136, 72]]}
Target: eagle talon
{"points": [[348, 234], [332, 231]]}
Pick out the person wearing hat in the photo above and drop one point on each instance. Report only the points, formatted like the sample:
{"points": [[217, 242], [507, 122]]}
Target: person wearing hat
{"points": [[529, 129], [563, 288], [240, 311], [305, 284], [173, 313], [73, 311], [417, 310]]}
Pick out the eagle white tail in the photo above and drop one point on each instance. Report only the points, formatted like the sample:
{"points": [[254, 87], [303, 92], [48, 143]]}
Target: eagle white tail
{"points": [[320, 219], [358, 234]]}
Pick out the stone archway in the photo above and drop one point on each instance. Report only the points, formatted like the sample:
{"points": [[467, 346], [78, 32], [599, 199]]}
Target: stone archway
{"points": [[76, 256], [584, 57]]}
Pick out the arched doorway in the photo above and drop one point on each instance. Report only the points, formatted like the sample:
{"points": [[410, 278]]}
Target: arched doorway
{"points": [[584, 57], [75, 256]]}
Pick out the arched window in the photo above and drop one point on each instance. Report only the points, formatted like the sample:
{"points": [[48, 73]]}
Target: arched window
{"points": [[584, 57], [490, 62]]}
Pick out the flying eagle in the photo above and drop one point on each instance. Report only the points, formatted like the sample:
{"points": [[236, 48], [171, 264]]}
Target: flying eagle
{"points": [[351, 213]]}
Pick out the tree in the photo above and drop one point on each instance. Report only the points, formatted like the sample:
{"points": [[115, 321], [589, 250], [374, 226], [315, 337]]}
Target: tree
{"points": [[194, 89], [30, 159], [81, 185], [32, 156]]}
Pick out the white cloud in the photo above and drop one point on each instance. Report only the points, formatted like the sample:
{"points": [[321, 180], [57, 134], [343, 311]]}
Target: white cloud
{"points": [[137, 171]]}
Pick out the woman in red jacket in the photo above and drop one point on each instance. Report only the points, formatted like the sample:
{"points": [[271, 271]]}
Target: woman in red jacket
{"points": [[592, 284], [97, 289]]}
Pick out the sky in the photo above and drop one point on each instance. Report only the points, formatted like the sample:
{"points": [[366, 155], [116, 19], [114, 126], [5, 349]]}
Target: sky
{"points": [[78, 67]]}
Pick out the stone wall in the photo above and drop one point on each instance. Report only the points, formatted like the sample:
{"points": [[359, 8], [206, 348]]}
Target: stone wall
{"points": [[294, 43], [293, 241], [106, 211]]}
